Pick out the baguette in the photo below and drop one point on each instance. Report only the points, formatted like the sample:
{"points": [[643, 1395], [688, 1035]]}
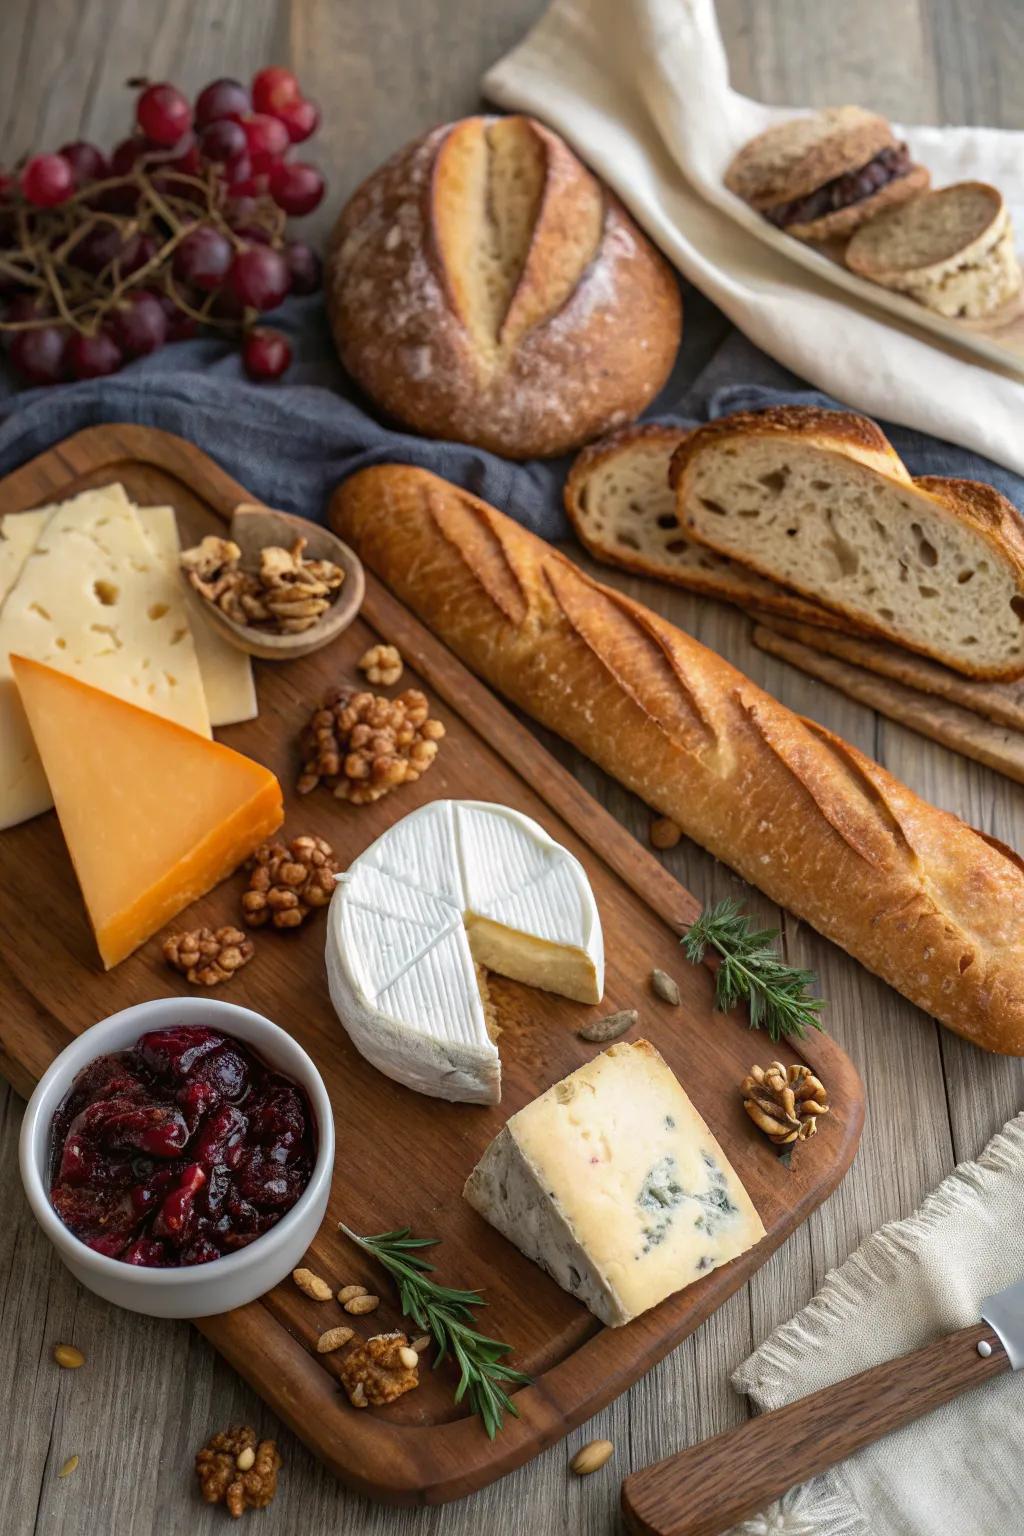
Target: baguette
{"points": [[820, 501], [912, 892], [622, 509]]}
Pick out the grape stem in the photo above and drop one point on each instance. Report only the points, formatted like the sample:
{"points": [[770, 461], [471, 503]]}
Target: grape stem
{"points": [[41, 259]]}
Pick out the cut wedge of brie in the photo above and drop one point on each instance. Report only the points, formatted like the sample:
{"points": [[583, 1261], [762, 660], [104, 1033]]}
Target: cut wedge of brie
{"points": [[455, 885]]}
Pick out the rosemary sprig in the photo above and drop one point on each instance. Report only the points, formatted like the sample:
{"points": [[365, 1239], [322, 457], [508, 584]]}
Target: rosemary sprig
{"points": [[445, 1313], [751, 971]]}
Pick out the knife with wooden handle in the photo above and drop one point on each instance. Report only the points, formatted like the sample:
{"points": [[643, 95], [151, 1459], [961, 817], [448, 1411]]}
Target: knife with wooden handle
{"points": [[705, 1490]]}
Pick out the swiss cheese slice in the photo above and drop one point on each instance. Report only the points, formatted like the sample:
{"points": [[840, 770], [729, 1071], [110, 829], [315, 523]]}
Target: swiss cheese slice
{"points": [[93, 598], [225, 670], [612, 1182], [455, 885], [18, 534], [153, 815]]}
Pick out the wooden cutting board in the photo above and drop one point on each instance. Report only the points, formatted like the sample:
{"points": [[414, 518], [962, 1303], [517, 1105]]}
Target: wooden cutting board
{"points": [[402, 1158]]}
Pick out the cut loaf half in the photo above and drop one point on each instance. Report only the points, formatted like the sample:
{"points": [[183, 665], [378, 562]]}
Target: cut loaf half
{"points": [[622, 507], [820, 501]]}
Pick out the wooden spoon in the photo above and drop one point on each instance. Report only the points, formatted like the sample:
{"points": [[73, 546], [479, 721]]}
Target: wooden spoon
{"points": [[253, 527]]}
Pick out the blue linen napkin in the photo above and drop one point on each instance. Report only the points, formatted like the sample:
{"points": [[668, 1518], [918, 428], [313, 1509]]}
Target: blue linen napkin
{"points": [[292, 443]]}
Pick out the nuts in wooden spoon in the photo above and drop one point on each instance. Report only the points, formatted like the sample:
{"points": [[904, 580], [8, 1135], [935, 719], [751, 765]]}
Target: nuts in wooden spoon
{"points": [[286, 596]]}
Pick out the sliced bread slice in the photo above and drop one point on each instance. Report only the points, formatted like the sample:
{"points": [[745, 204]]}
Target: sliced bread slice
{"points": [[952, 250], [820, 501], [622, 508]]}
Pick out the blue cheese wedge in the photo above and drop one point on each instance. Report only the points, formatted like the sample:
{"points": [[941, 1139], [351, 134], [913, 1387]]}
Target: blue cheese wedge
{"points": [[455, 886], [612, 1182]]}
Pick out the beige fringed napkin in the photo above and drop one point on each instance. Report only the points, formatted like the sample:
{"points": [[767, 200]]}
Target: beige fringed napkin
{"points": [[641, 89], [958, 1471]]}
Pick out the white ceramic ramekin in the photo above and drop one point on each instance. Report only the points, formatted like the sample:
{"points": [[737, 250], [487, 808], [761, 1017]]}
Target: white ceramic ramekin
{"points": [[197, 1290]]}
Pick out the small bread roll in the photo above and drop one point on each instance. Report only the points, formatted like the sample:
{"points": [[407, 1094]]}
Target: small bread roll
{"points": [[820, 177]]}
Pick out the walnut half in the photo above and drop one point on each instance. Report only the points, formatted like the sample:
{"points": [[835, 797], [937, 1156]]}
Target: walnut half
{"points": [[784, 1102], [380, 1370], [233, 1469]]}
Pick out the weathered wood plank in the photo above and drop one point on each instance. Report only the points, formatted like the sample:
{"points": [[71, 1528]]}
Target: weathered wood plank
{"points": [[150, 1392]]}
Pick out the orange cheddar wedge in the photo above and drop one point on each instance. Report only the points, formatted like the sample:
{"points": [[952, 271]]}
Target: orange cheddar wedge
{"points": [[153, 815]]}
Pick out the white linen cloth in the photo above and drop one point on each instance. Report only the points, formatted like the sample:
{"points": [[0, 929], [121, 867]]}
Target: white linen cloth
{"points": [[957, 1471], [641, 89]]}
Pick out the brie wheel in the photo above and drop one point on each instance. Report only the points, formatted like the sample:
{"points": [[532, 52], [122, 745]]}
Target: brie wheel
{"points": [[455, 885]]}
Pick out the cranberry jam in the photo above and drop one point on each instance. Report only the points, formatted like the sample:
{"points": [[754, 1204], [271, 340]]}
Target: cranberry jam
{"points": [[180, 1150]]}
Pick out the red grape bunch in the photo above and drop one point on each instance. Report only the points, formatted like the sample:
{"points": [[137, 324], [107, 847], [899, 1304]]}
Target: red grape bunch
{"points": [[184, 225]]}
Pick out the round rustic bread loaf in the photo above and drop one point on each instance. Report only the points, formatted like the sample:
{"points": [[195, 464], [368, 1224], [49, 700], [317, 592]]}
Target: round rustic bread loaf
{"points": [[484, 286]]}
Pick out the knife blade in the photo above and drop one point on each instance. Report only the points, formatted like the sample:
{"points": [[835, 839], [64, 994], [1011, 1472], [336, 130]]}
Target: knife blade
{"points": [[1004, 1312]]}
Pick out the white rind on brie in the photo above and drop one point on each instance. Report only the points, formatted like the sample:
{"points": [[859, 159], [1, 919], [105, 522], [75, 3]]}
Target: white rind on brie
{"points": [[455, 884], [612, 1182]]}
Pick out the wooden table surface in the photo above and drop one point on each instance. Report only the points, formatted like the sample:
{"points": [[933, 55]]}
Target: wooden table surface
{"points": [[151, 1392]]}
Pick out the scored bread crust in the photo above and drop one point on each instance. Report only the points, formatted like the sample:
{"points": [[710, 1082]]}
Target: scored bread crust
{"points": [[844, 221], [796, 157], [571, 337], [704, 571], [917, 896], [980, 507]]}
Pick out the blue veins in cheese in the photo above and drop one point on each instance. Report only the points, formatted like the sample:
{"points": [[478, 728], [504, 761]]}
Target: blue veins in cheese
{"points": [[452, 888], [612, 1182]]}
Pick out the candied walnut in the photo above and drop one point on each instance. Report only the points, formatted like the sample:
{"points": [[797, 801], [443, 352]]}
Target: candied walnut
{"points": [[380, 1370], [208, 956], [363, 745], [286, 883], [234, 1470], [382, 664], [784, 1102]]}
